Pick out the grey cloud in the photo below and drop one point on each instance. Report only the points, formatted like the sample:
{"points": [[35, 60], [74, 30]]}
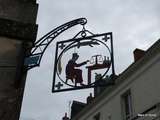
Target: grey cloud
{"points": [[134, 23]]}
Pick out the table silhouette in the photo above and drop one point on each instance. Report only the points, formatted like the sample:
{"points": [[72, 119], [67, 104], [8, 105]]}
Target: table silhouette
{"points": [[95, 67]]}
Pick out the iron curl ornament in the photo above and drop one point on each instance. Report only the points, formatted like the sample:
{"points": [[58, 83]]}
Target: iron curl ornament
{"points": [[84, 61]]}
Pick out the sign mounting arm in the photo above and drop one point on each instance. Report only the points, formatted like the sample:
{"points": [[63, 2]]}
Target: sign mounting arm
{"points": [[41, 45]]}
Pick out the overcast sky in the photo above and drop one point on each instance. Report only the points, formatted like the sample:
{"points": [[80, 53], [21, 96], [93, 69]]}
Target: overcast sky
{"points": [[134, 23]]}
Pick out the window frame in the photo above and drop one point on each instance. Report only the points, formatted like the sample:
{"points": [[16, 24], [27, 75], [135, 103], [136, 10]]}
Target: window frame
{"points": [[127, 94]]}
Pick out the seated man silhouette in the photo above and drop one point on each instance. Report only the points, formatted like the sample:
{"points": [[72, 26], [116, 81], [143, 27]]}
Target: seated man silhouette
{"points": [[72, 72]]}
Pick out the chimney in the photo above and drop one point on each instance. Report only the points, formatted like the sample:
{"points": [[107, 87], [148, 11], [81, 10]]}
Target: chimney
{"points": [[89, 98], [65, 117], [138, 54]]}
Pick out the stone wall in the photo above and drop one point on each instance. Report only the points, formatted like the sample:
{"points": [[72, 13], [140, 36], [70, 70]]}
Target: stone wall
{"points": [[19, 10], [18, 31]]}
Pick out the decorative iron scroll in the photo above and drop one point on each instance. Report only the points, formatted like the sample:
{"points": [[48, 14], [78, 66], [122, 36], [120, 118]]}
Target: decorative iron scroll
{"points": [[85, 61], [34, 59]]}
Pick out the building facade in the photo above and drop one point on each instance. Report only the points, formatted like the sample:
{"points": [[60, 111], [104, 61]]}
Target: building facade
{"points": [[18, 31], [135, 96]]}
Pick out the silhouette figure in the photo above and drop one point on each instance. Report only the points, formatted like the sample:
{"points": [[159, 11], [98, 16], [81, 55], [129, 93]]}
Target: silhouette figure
{"points": [[72, 72]]}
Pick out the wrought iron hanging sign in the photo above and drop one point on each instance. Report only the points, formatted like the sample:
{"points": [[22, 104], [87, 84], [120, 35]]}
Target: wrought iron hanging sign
{"points": [[85, 61]]}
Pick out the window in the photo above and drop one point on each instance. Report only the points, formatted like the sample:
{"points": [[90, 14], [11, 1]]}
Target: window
{"points": [[127, 105], [97, 117]]}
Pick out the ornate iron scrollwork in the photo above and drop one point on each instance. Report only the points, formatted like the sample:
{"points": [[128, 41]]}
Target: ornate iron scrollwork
{"points": [[34, 59]]}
